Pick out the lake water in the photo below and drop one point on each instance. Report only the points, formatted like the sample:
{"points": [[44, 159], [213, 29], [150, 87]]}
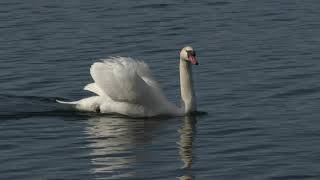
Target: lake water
{"points": [[258, 80]]}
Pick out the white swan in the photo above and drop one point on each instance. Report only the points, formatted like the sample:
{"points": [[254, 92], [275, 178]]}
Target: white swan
{"points": [[126, 86]]}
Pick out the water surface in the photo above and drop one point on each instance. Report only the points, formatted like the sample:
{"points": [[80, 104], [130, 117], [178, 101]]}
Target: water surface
{"points": [[258, 80]]}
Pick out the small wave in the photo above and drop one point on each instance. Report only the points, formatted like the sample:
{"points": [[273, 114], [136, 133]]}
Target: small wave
{"points": [[219, 3], [295, 92], [284, 19], [246, 148], [20, 115], [294, 177], [152, 6], [236, 131], [14, 106]]}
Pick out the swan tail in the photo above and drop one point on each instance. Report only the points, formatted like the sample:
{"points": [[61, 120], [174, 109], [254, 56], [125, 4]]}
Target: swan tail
{"points": [[90, 104], [64, 102], [72, 104]]}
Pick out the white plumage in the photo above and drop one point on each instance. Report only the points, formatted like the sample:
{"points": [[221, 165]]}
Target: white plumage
{"points": [[125, 86]]}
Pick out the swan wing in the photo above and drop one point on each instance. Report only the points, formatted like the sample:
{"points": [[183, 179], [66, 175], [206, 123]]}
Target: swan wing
{"points": [[123, 80], [92, 87]]}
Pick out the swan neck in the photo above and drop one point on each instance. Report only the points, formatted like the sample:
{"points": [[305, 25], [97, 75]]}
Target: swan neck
{"points": [[186, 85]]}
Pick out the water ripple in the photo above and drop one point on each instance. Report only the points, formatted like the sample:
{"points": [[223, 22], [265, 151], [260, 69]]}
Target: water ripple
{"points": [[257, 80]]}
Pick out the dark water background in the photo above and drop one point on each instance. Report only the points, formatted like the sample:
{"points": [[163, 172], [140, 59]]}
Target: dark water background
{"points": [[258, 80]]}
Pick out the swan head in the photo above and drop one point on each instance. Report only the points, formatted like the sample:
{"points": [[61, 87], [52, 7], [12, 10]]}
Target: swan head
{"points": [[189, 55]]}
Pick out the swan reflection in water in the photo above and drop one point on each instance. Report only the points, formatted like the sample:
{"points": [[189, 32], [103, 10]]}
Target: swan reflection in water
{"points": [[113, 142], [187, 135]]}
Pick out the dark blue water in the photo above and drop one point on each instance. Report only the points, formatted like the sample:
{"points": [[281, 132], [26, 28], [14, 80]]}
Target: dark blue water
{"points": [[258, 80]]}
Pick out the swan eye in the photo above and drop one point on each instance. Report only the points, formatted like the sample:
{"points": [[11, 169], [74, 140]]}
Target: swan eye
{"points": [[191, 53]]}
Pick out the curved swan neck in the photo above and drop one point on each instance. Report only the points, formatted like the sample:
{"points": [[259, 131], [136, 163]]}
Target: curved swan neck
{"points": [[186, 86]]}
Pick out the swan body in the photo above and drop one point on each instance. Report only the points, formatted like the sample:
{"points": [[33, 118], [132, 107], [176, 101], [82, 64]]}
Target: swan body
{"points": [[126, 86]]}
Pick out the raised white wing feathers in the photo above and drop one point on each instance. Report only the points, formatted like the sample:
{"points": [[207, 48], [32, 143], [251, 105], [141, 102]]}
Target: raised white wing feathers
{"points": [[123, 80]]}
